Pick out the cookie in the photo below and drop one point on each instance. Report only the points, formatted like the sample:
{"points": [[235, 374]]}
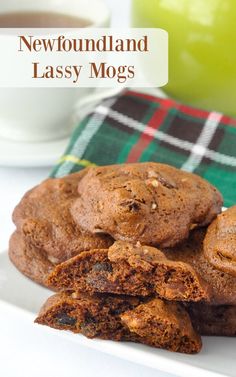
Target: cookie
{"points": [[223, 285], [44, 220], [213, 320], [156, 323], [92, 316], [132, 270], [152, 203], [163, 324], [220, 242], [29, 260]]}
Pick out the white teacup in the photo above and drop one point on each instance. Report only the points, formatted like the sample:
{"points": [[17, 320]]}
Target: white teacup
{"points": [[39, 114]]}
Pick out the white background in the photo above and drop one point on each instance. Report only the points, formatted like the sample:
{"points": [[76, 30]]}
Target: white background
{"points": [[22, 354]]}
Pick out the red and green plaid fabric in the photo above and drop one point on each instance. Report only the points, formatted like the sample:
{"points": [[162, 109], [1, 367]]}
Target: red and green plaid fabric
{"points": [[138, 127]]}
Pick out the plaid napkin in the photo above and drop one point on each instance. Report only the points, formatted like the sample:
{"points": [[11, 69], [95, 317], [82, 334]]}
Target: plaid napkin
{"points": [[138, 127]]}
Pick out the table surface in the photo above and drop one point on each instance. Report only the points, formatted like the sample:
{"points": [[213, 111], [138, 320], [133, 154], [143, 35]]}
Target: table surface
{"points": [[50, 356]]}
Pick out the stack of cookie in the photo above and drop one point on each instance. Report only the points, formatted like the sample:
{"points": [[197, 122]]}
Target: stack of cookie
{"points": [[129, 252]]}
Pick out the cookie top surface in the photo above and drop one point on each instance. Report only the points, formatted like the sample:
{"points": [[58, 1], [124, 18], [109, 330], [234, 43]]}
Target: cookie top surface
{"points": [[43, 218], [153, 203], [190, 251], [220, 242]]}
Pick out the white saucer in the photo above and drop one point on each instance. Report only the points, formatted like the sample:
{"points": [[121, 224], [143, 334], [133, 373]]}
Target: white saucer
{"points": [[38, 154], [43, 154]]}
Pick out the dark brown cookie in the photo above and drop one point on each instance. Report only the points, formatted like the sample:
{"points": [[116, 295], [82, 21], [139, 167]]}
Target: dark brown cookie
{"points": [[44, 220], [133, 270], [153, 203], [163, 324], [220, 242], [29, 260], [213, 320], [93, 316], [156, 323], [191, 251]]}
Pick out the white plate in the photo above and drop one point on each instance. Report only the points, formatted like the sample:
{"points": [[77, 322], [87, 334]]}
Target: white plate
{"points": [[22, 154], [23, 297]]}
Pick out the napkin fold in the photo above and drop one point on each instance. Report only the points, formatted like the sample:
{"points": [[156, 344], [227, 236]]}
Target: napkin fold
{"points": [[135, 127]]}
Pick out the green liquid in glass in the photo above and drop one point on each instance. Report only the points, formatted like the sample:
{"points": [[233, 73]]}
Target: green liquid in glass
{"points": [[202, 48]]}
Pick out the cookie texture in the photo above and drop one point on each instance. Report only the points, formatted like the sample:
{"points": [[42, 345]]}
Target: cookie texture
{"points": [[128, 269], [29, 260], [213, 320], [43, 218], [152, 203], [220, 242], [223, 285], [92, 316], [156, 323], [163, 324]]}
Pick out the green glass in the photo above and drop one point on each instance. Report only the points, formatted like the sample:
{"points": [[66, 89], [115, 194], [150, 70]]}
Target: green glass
{"points": [[202, 48]]}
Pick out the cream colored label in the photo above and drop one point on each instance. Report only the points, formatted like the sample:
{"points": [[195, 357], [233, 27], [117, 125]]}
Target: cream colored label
{"points": [[83, 57]]}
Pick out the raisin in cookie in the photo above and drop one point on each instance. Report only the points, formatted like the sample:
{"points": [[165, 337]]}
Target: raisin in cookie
{"points": [[43, 218], [220, 242], [132, 270], [155, 322], [153, 203]]}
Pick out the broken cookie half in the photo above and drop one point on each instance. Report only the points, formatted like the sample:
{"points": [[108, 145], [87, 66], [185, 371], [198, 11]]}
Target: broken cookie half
{"points": [[133, 270], [152, 322]]}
